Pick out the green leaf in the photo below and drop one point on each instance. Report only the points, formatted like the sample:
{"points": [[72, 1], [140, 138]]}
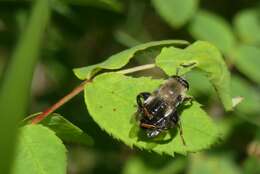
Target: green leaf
{"points": [[206, 58], [198, 89], [249, 107], [16, 86], [175, 12], [111, 101], [246, 59], [212, 28], [251, 165], [122, 58], [137, 165], [247, 24], [65, 130], [212, 164], [39, 152]]}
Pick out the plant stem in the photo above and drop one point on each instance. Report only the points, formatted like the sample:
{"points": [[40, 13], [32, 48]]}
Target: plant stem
{"points": [[137, 68], [80, 88], [61, 102]]}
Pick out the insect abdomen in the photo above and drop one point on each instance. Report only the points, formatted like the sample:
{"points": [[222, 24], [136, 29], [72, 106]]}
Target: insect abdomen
{"points": [[156, 107]]}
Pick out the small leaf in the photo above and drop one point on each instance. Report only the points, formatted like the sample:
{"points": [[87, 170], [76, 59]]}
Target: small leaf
{"points": [[65, 130], [120, 59], [206, 58], [212, 28], [176, 12], [111, 101], [246, 59], [39, 152], [212, 164], [247, 24]]}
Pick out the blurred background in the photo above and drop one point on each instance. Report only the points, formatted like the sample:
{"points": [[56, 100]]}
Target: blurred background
{"points": [[85, 32]]}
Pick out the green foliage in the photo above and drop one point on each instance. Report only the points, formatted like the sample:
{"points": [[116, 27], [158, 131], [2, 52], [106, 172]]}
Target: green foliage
{"points": [[247, 24], [204, 86], [249, 108], [206, 58], [39, 152], [175, 12], [247, 61], [120, 59], [111, 100], [251, 165], [209, 27], [80, 33], [137, 165], [15, 88], [106, 4], [66, 131], [212, 164]]}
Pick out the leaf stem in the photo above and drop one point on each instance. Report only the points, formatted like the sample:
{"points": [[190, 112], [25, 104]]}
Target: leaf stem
{"points": [[80, 88], [61, 102], [137, 68]]}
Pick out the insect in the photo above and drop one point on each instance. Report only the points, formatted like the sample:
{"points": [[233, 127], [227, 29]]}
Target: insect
{"points": [[157, 111]]}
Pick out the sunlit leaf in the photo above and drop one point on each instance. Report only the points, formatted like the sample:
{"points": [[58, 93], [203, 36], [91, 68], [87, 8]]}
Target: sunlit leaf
{"points": [[205, 57], [175, 12], [122, 58], [111, 101], [212, 28], [39, 152]]}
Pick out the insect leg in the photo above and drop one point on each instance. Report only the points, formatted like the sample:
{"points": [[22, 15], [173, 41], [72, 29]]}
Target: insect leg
{"points": [[152, 130], [175, 121], [147, 126], [181, 132], [144, 96], [188, 99]]}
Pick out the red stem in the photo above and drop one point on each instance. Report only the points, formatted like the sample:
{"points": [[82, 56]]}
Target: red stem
{"points": [[61, 102]]}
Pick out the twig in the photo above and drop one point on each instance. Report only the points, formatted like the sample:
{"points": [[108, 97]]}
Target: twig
{"points": [[61, 102]]}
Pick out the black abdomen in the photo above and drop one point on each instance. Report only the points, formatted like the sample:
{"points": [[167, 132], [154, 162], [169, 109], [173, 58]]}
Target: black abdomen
{"points": [[156, 107]]}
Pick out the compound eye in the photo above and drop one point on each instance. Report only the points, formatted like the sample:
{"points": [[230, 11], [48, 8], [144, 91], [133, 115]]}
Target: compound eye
{"points": [[182, 81], [186, 84], [179, 98]]}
